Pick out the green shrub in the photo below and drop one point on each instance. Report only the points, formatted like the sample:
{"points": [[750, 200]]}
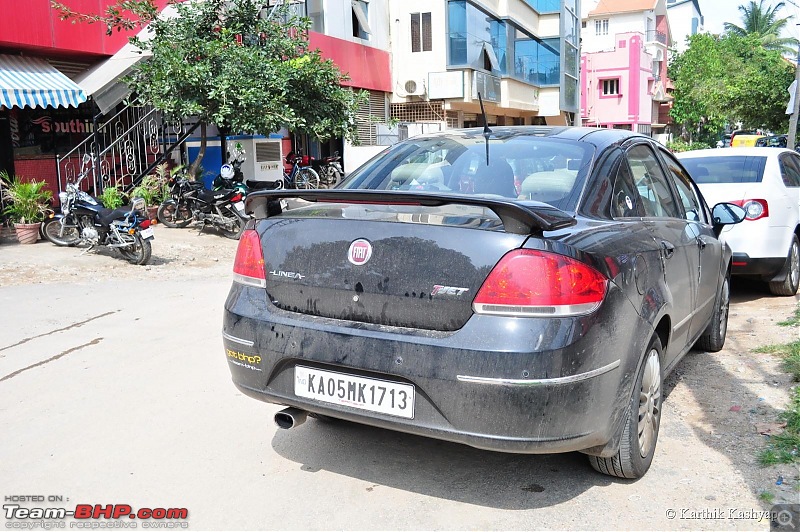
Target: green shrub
{"points": [[111, 198], [153, 188], [28, 200], [678, 145]]}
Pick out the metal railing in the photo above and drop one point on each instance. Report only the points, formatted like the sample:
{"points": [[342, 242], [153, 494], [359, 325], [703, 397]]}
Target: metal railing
{"points": [[656, 36], [124, 148]]}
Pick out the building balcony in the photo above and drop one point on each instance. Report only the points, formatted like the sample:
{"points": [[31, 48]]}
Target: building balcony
{"points": [[656, 36]]}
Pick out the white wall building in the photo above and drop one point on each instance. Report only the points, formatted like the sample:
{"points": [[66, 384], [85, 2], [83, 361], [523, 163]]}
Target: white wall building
{"points": [[518, 54], [685, 20]]}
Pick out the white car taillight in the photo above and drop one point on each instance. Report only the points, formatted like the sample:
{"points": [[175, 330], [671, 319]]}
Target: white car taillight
{"points": [[754, 208]]}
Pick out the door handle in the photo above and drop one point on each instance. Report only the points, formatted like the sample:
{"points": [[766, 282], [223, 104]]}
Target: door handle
{"points": [[668, 249]]}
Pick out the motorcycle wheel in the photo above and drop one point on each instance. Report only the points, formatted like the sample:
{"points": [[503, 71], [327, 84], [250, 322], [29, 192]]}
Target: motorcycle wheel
{"points": [[139, 252], [236, 226], [51, 229], [306, 178], [174, 214], [334, 176]]}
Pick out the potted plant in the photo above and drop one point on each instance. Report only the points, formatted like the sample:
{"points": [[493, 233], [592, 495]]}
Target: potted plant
{"points": [[153, 189], [111, 197], [27, 204]]}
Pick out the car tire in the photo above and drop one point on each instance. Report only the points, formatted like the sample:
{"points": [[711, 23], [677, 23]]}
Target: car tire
{"points": [[642, 421], [713, 338], [788, 287]]}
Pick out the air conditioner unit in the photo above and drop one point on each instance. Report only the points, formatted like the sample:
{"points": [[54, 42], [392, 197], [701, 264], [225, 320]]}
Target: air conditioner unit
{"points": [[414, 87], [264, 159]]}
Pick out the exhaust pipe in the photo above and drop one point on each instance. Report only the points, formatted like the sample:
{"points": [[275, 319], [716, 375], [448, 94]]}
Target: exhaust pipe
{"points": [[290, 417]]}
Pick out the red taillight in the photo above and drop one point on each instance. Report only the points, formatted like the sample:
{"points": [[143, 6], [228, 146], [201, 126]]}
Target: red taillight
{"points": [[755, 209], [237, 197], [529, 282], [144, 224], [248, 268]]}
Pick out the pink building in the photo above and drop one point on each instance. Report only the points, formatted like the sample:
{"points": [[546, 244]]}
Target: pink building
{"points": [[624, 81]]}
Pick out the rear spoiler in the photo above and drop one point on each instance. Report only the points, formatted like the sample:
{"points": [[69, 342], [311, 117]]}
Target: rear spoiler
{"points": [[518, 217]]}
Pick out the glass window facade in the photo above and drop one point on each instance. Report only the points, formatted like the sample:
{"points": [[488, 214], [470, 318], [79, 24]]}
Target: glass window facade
{"points": [[547, 6], [470, 32], [536, 61], [570, 56], [520, 55]]}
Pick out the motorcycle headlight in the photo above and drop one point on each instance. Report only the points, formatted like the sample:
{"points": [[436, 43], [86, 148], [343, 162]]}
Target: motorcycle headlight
{"points": [[62, 197], [138, 204]]}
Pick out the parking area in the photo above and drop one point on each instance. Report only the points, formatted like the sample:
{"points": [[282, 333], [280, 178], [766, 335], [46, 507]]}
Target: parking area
{"points": [[114, 389]]}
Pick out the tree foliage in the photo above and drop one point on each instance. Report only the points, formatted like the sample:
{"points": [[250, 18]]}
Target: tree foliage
{"points": [[235, 64], [763, 22], [728, 80]]}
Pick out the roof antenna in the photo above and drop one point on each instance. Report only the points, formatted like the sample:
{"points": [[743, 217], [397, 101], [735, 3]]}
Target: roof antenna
{"points": [[486, 131]]}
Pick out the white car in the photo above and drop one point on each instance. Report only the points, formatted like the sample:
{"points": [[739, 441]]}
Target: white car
{"points": [[766, 182]]}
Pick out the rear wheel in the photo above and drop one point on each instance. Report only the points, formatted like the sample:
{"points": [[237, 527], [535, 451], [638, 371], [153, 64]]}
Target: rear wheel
{"points": [[174, 214], [138, 252], [642, 421], [67, 234], [713, 338], [788, 287], [330, 176], [306, 178]]}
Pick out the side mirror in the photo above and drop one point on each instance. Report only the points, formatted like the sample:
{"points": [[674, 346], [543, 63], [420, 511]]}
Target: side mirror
{"points": [[726, 214]]}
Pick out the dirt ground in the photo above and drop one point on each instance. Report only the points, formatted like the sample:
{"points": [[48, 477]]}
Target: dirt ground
{"points": [[715, 398]]}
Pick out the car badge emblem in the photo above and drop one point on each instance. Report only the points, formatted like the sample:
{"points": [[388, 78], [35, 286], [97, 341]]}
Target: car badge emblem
{"points": [[360, 251]]}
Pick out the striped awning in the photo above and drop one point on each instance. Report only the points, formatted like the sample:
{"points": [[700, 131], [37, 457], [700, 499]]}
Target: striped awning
{"points": [[31, 82]]}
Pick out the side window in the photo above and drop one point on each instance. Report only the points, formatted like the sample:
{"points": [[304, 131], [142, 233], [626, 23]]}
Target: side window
{"points": [[790, 170], [686, 193], [651, 183], [625, 202]]}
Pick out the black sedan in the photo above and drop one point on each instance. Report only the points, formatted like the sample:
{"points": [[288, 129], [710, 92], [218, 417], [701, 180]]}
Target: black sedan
{"points": [[524, 290]]}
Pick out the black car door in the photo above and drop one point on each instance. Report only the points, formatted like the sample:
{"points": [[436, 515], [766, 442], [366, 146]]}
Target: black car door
{"points": [[705, 262], [664, 218]]}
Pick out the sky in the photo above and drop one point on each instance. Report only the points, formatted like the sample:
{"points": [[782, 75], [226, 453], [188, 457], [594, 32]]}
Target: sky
{"points": [[717, 12]]}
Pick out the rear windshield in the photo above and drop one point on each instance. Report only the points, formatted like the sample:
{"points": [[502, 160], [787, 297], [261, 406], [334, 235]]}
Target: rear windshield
{"points": [[734, 169], [525, 167]]}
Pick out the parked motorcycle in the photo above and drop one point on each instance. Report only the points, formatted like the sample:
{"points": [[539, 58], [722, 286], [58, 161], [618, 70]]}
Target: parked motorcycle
{"points": [[230, 175], [84, 221], [329, 169], [190, 202]]}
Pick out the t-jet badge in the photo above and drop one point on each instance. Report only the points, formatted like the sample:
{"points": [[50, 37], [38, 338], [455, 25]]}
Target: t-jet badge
{"points": [[360, 251]]}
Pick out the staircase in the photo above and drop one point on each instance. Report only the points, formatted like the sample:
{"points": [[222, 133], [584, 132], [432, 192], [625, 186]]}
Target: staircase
{"points": [[124, 149]]}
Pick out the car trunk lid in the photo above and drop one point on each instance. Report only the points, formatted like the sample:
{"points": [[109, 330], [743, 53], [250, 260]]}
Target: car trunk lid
{"points": [[396, 264]]}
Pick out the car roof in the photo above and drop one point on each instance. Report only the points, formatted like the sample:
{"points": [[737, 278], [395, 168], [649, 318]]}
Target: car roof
{"points": [[763, 151], [599, 137]]}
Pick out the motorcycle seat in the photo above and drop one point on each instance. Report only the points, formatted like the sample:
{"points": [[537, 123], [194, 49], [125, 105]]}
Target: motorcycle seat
{"points": [[210, 196], [106, 216]]}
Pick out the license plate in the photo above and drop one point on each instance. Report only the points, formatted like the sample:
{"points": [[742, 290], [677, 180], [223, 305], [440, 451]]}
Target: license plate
{"points": [[374, 395], [239, 205], [147, 234]]}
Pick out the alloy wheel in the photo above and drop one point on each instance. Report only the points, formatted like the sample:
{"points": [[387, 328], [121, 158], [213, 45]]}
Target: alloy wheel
{"points": [[649, 403]]}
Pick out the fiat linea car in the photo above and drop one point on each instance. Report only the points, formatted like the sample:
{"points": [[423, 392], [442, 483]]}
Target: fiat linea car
{"points": [[521, 289]]}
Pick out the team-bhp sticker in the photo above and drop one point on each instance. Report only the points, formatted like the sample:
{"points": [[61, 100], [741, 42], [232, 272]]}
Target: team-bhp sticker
{"points": [[94, 511]]}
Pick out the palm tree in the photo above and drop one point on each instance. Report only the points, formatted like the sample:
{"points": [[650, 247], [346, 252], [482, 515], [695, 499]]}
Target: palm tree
{"points": [[763, 21]]}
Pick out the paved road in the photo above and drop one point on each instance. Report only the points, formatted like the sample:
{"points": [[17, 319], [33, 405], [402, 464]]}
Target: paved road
{"points": [[118, 392]]}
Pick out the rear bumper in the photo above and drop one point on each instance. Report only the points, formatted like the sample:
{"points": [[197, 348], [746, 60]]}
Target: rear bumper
{"points": [[521, 385], [765, 269]]}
